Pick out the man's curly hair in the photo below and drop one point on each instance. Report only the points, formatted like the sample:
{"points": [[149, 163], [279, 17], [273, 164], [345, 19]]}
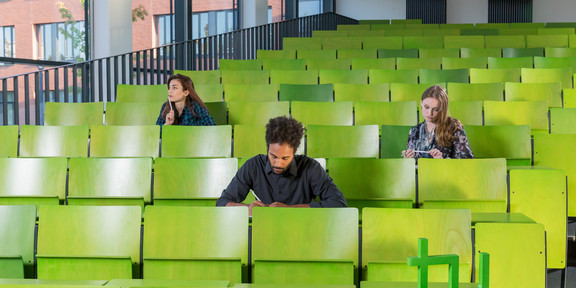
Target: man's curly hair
{"points": [[284, 130]]}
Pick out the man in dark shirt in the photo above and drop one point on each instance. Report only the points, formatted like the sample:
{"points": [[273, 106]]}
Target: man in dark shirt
{"points": [[282, 179]]}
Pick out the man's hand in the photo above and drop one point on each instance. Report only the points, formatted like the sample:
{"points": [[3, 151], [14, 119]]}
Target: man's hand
{"points": [[255, 204], [278, 204]]}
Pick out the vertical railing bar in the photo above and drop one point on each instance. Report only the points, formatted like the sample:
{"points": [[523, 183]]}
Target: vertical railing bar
{"points": [[4, 98], [109, 76], [66, 90], [56, 85], [138, 68], [116, 76], [16, 101], [27, 99], [38, 98], [75, 83], [145, 67], [100, 76]]}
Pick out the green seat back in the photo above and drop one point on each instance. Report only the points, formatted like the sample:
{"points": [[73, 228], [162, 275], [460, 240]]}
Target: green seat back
{"points": [[456, 26], [548, 75], [559, 52], [385, 113], [54, 141], [33, 180], [342, 141], [562, 120], [101, 181], [88, 242], [494, 75], [475, 91], [439, 52], [518, 31], [480, 52], [125, 141], [522, 52], [551, 92], [256, 113], [314, 93], [430, 42], [464, 63], [395, 53], [241, 65], [308, 54], [546, 41], [505, 41], [362, 92], [327, 64], [519, 62], [64, 114], [251, 92], [468, 112], [196, 182], [127, 283], [569, 98], [202, 77], [169, 254], [141, 93], [476, 184], [210, 92], [418, 63], [394, 140], [443, 76], [555, 62], [132, 114], [368, 63], [323, 113], [409, 91], [443, 32], [218, 111], [512, 142], [533, 113], [561, 25], [343, 76], [9, 136], [382, 42], [388, 240], [467, 41], [527, 25], [357, 53], [294, 43], [294, 77], [393, 76], [249, 140], [245, 77], [196, 141], [276, 54], [278, 256], [345, 42], [492, 25], [541, 195], [500, 240], [284, 64], [17, 225]]}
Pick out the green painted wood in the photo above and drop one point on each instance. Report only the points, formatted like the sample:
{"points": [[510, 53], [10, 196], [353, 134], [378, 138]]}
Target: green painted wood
{"points": [[429, 42], [50, 283], [559, 52], [295, 271], [342, 141], [142, 93], [343, 76], [256, 113], [9, 136], [127, 283], [132, 114], [66, 114], [561, 120], [505, 41], [439, 52], [475, 91], [483, 217], [218, 111], [249, 141], [555, 62], [393, 76], [326, 54], [240, 65], [357, 53], [284, 64], [202, 77], [551, 92], [53, 141], [468, 112], [276, 54], [471, 41], [294, 77], [72, 284], [533, 113], [83, 268], [382, 42], [480, 52], [378, 284], [125, 141], [346, 42], [512, 142], [569, 98], [418, 63], [252, 285], [518, 31], [323, 113], [245, 77], [423, 261], [409, 91], [386, 113], [522, 52], [547, 75], [502, 63], [368, 63], [197, 141], [464, 63], [546, 41], [33, 180], [327, 64], [394, 140], [17, 225], [301, 43], [362, 92], [210, 92], [395, 53], [445, 75], [494, 75], [314, 93]]}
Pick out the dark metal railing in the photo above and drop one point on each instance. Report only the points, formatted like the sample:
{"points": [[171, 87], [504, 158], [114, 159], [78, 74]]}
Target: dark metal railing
{"points": [[22, 97]]}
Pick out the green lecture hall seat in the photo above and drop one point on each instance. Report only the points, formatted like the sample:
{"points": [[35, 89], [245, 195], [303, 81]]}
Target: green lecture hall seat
{"points": [[210, 92], [362, 92], [196, 141], [347, 42], [343, 76], [394, 140], [202, 77], [9, 136], [475, 184], [276, 54], [445, 75], [169, 253], [385, 113], [467, 41], [387, 241], [245, 77], [368, 64], [278, 256], [439, 53], [395, 53], [328, 64], [464, 63], [522, 52], [555, 62], [65, 114], [382, 42], [533, 113], [518, 62], [505, 41], [562, 120], [191, 182], [313, 93], [249, 141], [308, 77], [357, 53], [241, 65], [377, 76], [393, 182], [547, 75], [165, 283], [492, 25], [480, 52], [494, 75], [251, 92], [468, 112], [418, 63], [409, 91], [109, 182], [142, 93], [256, 113], [218, 111], [475, 91], [569, 98], [429, 42], [88, 242], [308, 54], [556, 31], [404, 33], [125, 141], [512, 142], [559, 52], [330, 33], [132, 114], [560, 41], [54, 141], [297, 43], [17, 228], [551, 92], [323, 113], [518, 31], [342, 141], [33, 181], [284, 64]]}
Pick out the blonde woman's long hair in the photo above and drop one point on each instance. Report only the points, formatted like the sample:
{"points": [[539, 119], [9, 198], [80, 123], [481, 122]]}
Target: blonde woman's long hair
{"points": [[446, 126]]}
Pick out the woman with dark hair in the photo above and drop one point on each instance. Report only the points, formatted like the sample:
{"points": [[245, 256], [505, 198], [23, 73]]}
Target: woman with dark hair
{"points": [[439, 135], [184, 107]]}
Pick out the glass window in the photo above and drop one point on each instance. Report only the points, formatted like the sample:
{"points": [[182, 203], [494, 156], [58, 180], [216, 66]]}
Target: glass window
{"points": [[7, 41], [275, 10], [164, 29], [10, 96], [309, 7], [61, 41]]}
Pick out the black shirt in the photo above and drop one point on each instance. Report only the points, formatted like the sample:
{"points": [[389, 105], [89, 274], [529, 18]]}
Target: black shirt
{"points": [[302, 181]]}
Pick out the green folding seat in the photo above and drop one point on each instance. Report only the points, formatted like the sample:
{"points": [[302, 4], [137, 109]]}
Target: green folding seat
{"points": [[443, 32], [492, 25], [346, 42], [408, 91], [548, 75], [367, 64], [527, 25], [343, 76], [307, 54], [476, 184], [512, 142], [464, 63], [241, 65], [200, 77], [376, 76], [314, 93], [556, 31], [125, 141], [54, 141], [480, 52], [533, 113], [64, 114], [418, 63], [513, 263], [245, 77], [50, 283], [353, 27], [132, 114], [251, 92], [381, 42], [210, 92], [422, 26], [406, 32], [374, 21], [142, 93], [561, 25], [555, 62], [342, 141], [430, 42], [571, 41], [278, 256], [456, 26], [357, 53], [522, 52], [445, 75], [551, 92], [276, 54], [475, 91], [89, 242], [127, 283], [546, 41], [388, 26], [439, 52], [569, 98], [249, 141], [405, 21], [256, 113], [284, 64], [394, 140], [196, 141], [293, 77], [362, 92], [541, 195], [464, 41], [395, 53], [329, 64], [367, 33], [323, 113], [505, 41], [479, 32], [385, 113], [559, 52], [17, 226], [9, 136], [110, 182], [518, 62], [518, 31], [468, 112], [562, 120], [390, 236], [330, 33], [218, 111], [192, 182], [494, 75], [33, 181]]}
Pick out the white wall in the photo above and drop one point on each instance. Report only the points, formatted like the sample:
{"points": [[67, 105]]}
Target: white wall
{"points": [[467, 11], [554, 11], [372, 9], [255, 13], [112, 26]]}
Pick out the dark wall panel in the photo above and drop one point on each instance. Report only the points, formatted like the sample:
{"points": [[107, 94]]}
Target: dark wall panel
{"points": [[509, 11], [430, 11]]}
